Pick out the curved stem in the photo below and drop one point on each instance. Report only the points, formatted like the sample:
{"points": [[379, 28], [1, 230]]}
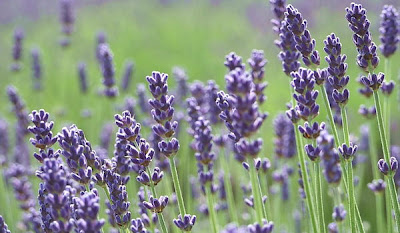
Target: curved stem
{"points": [[320, 203], [228, 186], [211, 209], [355, 217], [306, 180], [177, 187], [386, 153]]}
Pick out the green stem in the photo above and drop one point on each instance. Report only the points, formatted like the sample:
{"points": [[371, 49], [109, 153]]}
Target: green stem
{"points": [[386, 154], [160, 215], [228, 186], [177, 187], [255, 192], [306, 181], [355, 217], [389, 217], [330, 115], [261, 196], [379, 212], [320, 203], [211, 209]]}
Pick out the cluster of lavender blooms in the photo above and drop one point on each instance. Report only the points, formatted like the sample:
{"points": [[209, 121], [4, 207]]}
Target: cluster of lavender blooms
{"points": [[67, 19], [17, 49], [108, 71], [36, 69], [389, 30]]}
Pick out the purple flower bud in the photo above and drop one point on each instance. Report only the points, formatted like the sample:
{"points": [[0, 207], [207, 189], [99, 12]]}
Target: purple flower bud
{"points": [[312, 152], [233, 61], [265, 227], [83, 80], [339, 213], [17, 49], [278, 8], [389, 30], [348, 151], [126, 78], [373, 81], [108, 71], [137, 226], [333, 227], [156, 205], [377, 186], [387, 88], [186, 223], [41, 129], [36, 69], [67, 17], [311, 131]]}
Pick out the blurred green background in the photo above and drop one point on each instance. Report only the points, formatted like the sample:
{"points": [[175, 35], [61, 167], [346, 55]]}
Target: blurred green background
{"points": [[158, 35]]}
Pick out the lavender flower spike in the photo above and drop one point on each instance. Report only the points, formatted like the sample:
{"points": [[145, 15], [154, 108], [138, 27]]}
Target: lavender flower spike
{"points": [[265, 227], [36, 69], [278, 8], [42, 130], [3, 226], [127, 77], [86, 211], [108, 71], [17, 49], [367, 58], [67, 17], [186, 223], [83, 80], [389, 30], [305, 44], [330, 158]]}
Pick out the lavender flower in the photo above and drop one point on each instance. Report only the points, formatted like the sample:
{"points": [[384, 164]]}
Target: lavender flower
{"points": [[101, 38], [387, 88], [108, 70], [86, 212], [367, 58], [373, 81], [142, 98], [137, 226], [4, 139], [162, 113], [233, 61], [212, 108], [119, 206], [182, 88], [42, 130], [337, 69], [257, 63], [17, 49], [377, 186], [186, 223], [330, 158], [105, 136], [278, 8], [83, 80], [389, 30], [36, 69], [198, 91], [58, 195], [265, 227], [18, 109], [348, 151], [126, 78], [284, 142], [339, 213], [67, 17], [386, 168], [305, 44], [80, 157], [368, 113], [3, 226], [156, 205]]}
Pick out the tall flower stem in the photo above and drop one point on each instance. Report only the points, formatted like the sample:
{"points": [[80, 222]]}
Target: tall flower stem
{"points": [[349, 169], [389, 217], [256, 192], [177, 186], [306, 181], [211, 209], [330, 115], [320, 203], [228, 186], [160, 215], [373, 152], [387, 102], [386, 154]]}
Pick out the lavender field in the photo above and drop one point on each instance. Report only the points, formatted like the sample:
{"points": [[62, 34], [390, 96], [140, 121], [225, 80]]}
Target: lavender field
{"points": [[220, 116]]}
